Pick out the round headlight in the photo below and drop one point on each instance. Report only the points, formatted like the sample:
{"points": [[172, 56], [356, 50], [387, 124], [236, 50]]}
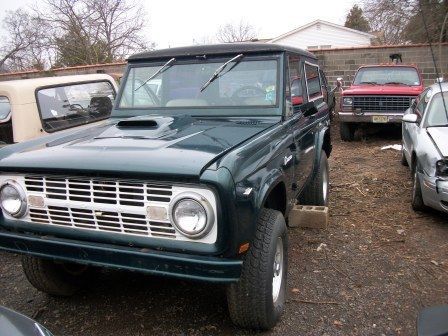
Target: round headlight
{"points": [[192, 215], [13, 199], [347, 101]]}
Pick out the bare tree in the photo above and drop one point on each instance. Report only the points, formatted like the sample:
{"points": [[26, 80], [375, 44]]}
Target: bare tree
{"points": [[93, 31], [23, 37], [239, 32], [389, 17]]}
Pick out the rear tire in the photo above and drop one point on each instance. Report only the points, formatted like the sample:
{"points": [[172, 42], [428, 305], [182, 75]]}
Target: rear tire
{"points": [[58, 279], [316, 192], [417, 197], [257, 300], [403, 160], [347, 131]]}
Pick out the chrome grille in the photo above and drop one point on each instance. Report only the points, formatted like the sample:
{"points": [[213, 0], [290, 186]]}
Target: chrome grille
{"points": [[100, 204], [382, 103]]}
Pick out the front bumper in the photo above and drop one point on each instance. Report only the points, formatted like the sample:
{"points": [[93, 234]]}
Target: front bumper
{"points": [[434, 192], [370, 117], [210, 269]]}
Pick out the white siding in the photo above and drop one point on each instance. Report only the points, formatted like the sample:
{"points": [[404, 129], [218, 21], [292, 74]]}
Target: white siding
{"points": [[321, 34]]}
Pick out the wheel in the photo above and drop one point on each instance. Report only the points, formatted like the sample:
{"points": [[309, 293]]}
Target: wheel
{"points": [[403, 160], [257, 300], [59, 279], [316, 192], [417, 198], [347, 131]]}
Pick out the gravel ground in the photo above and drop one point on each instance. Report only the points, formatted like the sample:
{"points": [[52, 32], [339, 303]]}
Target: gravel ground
{"points": [[369, 273]]}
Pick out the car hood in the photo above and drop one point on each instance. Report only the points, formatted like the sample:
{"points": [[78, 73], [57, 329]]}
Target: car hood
{"points": [[440, 137], [383, 90], [178, 146]]}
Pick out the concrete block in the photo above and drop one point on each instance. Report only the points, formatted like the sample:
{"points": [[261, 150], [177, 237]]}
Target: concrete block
{"points": [[309, 216]]}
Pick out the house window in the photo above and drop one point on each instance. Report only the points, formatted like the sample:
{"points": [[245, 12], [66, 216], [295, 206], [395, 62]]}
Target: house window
{"points": [[312, 47]]}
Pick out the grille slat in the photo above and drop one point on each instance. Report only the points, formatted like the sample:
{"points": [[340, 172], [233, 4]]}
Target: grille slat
{"points": [[382, 103], [100, 198]]}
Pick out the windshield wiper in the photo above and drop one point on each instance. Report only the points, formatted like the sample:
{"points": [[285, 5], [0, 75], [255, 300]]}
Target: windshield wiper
{"points": [[218, 71], [396, 83], [371, 83], [158, 72]]}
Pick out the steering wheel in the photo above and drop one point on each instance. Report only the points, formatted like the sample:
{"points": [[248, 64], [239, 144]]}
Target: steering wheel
{"points": [[248, 91]]}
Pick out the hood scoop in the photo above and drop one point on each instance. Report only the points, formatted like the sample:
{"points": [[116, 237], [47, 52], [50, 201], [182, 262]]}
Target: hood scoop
{"points": [[138, 123]]}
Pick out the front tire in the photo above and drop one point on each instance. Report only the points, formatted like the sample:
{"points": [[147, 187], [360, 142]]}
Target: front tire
{"points": [[58, 279], [316, 192], [417, 197], [347, 131], [257, 300], [403, 160]]}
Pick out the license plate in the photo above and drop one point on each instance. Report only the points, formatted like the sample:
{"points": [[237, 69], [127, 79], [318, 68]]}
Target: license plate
{"points": [[380, 119]]}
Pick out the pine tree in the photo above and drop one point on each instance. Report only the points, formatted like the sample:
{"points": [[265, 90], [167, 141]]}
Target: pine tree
{"points": [[356, 20]]}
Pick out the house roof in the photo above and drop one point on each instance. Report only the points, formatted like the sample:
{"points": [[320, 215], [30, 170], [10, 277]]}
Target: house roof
{"points": [[218, 49], [321, 22]]}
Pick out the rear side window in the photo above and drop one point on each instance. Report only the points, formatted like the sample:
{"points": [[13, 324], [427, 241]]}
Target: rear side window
{"points": [[5, 107], [313, 81], [67, 106]]}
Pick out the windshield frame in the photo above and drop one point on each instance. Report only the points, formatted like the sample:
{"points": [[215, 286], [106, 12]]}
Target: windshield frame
{"points": [[390, 66], [199, 110]]}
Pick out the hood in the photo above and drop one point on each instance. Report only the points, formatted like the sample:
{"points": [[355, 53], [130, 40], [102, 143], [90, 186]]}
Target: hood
{"points": [[440, 137], [179, 146], [383, 90]]}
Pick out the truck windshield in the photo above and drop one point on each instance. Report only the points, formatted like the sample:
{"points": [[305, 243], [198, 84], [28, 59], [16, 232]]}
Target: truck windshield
{"points": [[247, 83], [437, 116], [385, 75]]}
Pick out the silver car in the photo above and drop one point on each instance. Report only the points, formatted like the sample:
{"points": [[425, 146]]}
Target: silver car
{"points": [[425, 148]]}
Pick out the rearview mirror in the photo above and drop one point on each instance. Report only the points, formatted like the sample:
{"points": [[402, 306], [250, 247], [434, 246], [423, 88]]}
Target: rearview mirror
{"points": [[410, 118], [309, 109]]}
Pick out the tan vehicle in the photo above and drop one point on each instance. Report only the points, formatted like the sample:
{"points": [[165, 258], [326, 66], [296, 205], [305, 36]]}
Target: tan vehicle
{"points": [[30, 108]]}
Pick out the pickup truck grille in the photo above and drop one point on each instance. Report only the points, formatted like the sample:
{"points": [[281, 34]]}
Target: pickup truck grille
{"points": [[382, 103], [113, 206]]}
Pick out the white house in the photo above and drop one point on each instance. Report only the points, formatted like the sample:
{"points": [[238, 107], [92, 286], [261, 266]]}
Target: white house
{"points": [[321, 34]]}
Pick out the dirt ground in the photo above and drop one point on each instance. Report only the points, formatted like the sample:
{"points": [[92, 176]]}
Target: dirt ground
{"points": [[378, 265]]}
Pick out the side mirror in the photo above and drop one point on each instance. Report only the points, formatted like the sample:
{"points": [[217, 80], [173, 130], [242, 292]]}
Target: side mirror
{"points": [[410, 118], [339, 82], [309, 109]]}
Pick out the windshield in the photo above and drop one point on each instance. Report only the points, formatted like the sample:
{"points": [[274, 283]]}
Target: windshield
{"points": [[437, 116], [5, 107], [72, 105], [387, 75], [241, 83]]}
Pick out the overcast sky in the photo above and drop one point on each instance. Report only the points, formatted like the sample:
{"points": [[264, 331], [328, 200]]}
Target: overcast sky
{"points": [[175, 22]]}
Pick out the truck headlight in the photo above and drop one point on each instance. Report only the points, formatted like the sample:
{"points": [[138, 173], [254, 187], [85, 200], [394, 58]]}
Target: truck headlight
{"points": [[442, 168], [347, 101], [191, 214], [13, 199]]}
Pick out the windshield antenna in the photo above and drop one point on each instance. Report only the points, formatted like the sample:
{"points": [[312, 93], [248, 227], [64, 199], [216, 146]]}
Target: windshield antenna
{"points": [[433, 59]]}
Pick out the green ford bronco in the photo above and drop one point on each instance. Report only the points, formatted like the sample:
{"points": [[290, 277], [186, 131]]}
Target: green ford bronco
{"points": [[194, 176]]}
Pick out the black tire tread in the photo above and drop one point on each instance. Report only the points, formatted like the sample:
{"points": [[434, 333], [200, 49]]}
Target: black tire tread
{"points": [[245, 300], [48, 277], [311, 195]]}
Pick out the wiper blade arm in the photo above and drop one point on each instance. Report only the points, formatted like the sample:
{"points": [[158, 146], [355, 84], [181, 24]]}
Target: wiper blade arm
{"points": [[158, 72], [220, 70], [371, 83], [396, 83]]}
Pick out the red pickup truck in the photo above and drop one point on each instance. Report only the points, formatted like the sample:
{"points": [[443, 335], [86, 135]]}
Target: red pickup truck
{"points": [[378, 94]]}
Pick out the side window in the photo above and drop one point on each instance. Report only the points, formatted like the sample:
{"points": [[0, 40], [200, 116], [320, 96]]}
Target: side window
{"points": [[423, 100], [73, 105], [5, 107], [313, 81], [295, 78]]}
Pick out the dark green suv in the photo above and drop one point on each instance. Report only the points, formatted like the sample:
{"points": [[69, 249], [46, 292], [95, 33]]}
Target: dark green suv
{"points": [[194, 176]]}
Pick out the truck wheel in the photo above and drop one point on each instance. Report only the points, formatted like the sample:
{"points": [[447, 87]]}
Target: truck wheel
{"points": [[316, 192], [347, 131], [417, 198], [58, 279], [257, 300]]}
